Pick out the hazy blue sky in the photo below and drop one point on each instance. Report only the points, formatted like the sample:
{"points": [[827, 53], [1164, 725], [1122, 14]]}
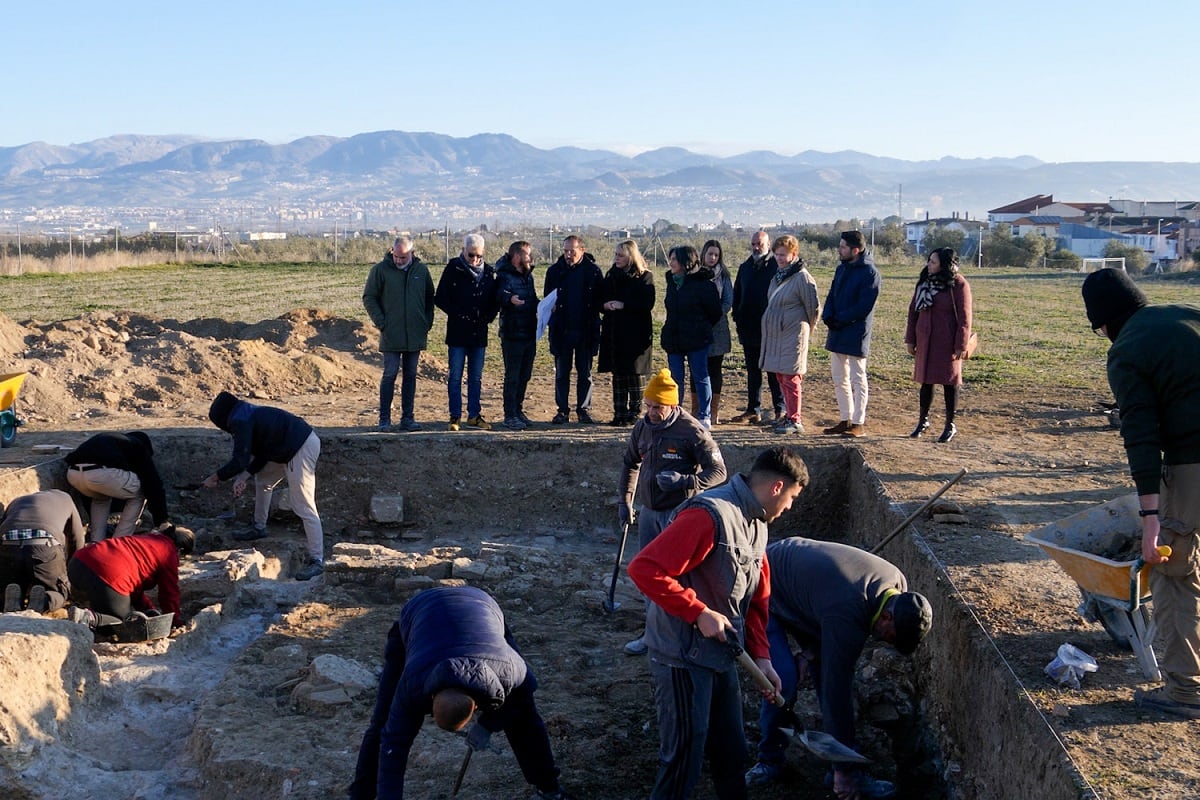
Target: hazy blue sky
{"points": [[1062, 81]]}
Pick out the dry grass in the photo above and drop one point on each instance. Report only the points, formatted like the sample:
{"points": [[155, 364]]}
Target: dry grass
{"points": [[1031, 325]]}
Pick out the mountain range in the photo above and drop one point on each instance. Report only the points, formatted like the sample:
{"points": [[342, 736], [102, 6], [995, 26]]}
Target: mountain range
{"points": [[413, 179]]}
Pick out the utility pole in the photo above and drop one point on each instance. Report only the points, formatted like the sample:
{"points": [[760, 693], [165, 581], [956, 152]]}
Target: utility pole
{"points": [[20, 262], [117, 240]]}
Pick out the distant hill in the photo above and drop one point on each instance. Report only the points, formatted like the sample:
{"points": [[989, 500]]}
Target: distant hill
{"points": [[414, 179]]}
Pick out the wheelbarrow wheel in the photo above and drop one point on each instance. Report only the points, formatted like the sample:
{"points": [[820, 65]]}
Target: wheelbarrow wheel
{"points": [[1115, 621], [8, 428]]}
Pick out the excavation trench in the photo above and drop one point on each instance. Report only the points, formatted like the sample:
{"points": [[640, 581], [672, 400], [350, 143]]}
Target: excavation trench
{"points": [[266, 696]]}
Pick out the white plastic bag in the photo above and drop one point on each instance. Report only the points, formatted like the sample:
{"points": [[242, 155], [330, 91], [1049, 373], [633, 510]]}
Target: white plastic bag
{"points": [[1070, 665]]}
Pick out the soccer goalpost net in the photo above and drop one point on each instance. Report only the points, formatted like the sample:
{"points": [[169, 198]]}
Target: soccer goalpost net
{"points": [[1093, 264]]}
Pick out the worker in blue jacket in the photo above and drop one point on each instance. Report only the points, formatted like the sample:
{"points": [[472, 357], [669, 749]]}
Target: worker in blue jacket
{"points": [[448, 655]]}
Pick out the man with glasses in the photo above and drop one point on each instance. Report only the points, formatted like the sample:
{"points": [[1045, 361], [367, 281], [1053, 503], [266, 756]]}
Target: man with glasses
{"points": [[670, 457], [467, 293], [398, 297], [574, 327], [750, 291]]}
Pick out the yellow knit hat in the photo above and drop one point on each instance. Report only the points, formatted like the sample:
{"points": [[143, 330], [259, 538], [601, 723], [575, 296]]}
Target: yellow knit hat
{"points": [[663, 389]]}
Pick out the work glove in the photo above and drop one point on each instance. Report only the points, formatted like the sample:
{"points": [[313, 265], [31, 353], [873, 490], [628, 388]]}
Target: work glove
{"points": [[625, 513], [479, 737], [670, 480]]}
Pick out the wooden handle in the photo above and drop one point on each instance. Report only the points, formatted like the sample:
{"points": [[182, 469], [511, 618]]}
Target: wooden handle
{"points": [[759, 677]]}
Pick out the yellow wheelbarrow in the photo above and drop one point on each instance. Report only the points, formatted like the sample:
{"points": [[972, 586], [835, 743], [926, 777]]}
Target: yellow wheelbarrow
{"points": [[9, 421], [1100, 548]]}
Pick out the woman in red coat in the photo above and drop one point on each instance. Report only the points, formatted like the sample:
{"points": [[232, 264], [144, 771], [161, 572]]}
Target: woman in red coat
{"points": [[939, 326]]}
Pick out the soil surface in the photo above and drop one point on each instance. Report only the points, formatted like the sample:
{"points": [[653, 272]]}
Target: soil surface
{"points": [[1033, 458]]}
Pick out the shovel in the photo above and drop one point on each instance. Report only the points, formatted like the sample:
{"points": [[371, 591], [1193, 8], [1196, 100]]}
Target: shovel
{"points": [[756, 674], [610, 604], [828, 748], [462, 772]]}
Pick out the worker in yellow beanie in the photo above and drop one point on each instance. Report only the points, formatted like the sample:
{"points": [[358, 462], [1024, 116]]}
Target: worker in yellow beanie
{"points": [[662, 389], [670, 457]]}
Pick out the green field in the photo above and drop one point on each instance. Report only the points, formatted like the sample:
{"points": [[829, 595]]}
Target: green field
{"points": [[1032, 327]]}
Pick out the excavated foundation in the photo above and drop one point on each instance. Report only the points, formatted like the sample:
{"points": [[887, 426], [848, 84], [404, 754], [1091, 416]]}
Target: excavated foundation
{"points": [[273, 686]]}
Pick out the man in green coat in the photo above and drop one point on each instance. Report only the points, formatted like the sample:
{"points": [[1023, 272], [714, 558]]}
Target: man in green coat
{"points": [[399, 299]]}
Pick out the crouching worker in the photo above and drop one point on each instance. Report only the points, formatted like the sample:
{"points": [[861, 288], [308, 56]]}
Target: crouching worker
{"points": [[117, 466], [38, 533], [270, 444], [449, 654], [708, 578], [830, 598], [109, 579]]}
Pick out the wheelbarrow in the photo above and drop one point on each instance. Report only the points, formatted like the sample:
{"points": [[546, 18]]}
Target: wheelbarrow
{"points": [[9, 421], [1100, 548]]}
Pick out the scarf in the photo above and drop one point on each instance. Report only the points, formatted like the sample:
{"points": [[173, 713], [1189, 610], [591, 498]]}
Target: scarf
{"points": [[926, 290]]}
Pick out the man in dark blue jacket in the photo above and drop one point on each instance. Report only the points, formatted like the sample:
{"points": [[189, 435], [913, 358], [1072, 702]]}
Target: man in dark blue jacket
{"points": [[849, 313], [467, 293], [448, 655], [518, 300], [270, 444], [574, 327]]}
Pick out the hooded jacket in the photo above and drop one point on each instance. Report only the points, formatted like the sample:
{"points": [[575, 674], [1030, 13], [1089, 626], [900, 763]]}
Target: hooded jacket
{"points": [[400, 304], [131, 452], [850, 306], [261, 434], [693, 308]]}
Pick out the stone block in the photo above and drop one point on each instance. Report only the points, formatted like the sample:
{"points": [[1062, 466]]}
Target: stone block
{"points": [[387, 508]]}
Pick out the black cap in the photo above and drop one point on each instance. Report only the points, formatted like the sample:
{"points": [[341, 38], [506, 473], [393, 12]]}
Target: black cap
{"points": [[1110, 296], [912, 617]]}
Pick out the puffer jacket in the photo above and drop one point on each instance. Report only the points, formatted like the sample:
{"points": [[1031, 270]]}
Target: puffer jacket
{"points": [[517, 323], [792, 310], [693, 308]]}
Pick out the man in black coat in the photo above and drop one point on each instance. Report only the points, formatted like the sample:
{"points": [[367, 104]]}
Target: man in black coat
{"points": [[574, 327], [467, 293], [750, 290], [517, 297], [120, 466]]}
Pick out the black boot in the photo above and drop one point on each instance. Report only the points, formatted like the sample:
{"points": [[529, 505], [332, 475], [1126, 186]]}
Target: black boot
{"points": [[922, 426], [947, 433]]}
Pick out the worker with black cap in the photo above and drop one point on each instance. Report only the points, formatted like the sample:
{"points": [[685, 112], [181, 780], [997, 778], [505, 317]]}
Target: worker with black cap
{"points": [[830, 598], [1155, 377], [118, 466], [271, 444]]}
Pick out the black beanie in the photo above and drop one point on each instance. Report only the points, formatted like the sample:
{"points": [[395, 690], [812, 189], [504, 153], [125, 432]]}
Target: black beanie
{"points": [[912, 617], [143, 440], [222, 406], [1110, 297]]}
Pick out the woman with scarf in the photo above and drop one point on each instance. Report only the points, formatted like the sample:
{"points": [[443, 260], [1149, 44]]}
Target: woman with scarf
{"points": [[627, 330], [939, 329], [792, 310], [712, 257]]}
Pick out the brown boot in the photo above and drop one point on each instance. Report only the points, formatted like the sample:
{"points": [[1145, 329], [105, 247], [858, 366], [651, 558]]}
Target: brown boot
{"points": [[855, 430], [839, 428], [716, 408]]}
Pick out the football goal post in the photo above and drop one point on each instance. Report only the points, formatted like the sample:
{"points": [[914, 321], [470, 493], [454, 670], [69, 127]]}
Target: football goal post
{"points": [[1093, 264]]}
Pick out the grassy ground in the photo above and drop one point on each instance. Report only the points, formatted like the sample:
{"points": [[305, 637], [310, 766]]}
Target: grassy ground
{"points": [[1031, 325]]}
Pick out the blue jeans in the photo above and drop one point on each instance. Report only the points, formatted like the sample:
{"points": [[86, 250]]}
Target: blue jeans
{"points": [[473, 357], [697, 362], [581, 357], [770, 717], [392, 363]]}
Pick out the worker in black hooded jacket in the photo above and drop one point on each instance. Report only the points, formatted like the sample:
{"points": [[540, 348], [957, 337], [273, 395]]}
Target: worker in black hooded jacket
{"points": [[270, 444], [120, 466]]}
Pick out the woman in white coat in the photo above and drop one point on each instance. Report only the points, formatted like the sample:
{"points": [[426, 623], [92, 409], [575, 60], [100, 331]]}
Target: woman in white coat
{"points": [[792, 310]]}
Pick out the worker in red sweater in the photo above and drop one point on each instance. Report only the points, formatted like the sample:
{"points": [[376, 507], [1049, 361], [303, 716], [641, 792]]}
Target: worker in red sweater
{"points": [[110, 578], [709, 583]]}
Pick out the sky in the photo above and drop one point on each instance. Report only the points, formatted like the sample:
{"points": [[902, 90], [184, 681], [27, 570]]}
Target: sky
{"points": [[1061, 81]]}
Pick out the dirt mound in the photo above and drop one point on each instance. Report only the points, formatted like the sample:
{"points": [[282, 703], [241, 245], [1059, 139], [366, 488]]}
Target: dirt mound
{"points": [[120, 362]]}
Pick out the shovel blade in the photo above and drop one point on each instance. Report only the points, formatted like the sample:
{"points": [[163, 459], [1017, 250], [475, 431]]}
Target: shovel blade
{"points": [[826, 747]]}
